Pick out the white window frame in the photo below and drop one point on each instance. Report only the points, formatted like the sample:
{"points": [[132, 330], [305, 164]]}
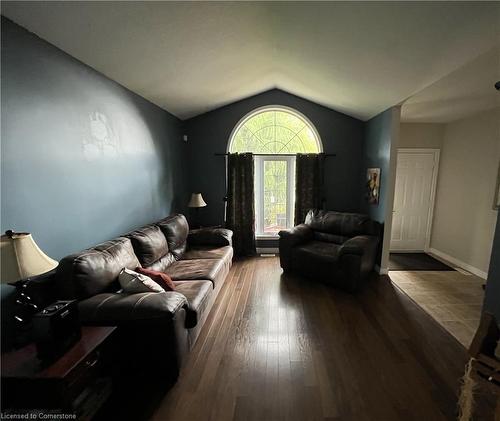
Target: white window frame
{"points": [[259, 192], [259, 168]]}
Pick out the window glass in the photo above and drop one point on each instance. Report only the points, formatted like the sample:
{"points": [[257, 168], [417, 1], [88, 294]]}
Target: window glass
{"points": [[275, 196], [275, 131]]}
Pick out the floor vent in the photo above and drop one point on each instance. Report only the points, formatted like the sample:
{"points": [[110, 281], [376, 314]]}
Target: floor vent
{"points": [[267, 250]]}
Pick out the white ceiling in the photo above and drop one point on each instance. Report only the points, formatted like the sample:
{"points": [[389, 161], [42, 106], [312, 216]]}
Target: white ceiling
{"points": [[359, 58], [464, 92]]}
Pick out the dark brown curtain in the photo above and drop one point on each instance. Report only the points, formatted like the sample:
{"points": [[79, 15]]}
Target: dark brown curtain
{"points": [[309, 169], [240, 215]]}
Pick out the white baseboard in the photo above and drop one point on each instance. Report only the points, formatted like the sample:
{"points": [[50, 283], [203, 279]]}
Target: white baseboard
{"points": [[381, 271], [459, 263], [268, 250]]}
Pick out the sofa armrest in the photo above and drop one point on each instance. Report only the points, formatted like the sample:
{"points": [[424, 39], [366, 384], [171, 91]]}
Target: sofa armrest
{"points": [[219, 237], [122, 308], [152, 321], [296, 235], [359, 245]]}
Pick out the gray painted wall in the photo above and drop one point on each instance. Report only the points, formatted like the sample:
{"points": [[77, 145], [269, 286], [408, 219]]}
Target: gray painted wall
{"points": [[421, 135], [464, 222], [83, 158], [380, 151], [377, 154], [492, 294], [210, 132]]}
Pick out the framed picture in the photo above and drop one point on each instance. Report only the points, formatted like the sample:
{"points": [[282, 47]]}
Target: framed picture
{"points": [[372, 185], [496, 202]]}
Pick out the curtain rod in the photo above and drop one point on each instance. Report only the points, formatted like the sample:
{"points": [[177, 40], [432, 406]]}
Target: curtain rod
{"points": [[278, 154]]}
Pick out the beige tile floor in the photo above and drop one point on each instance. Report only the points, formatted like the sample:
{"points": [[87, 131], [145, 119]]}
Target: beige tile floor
{"points": [[452, 298]]}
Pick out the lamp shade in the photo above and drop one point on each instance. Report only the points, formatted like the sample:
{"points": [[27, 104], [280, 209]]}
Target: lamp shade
{"points": [[21, 258], [196, 201]]}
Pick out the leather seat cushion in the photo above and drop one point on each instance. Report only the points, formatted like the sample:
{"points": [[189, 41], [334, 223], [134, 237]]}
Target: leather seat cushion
{"points": [[330, 238], [195, 269], [209, 252], [317, 250], [162, 264], [149, 244], [197, 294]]}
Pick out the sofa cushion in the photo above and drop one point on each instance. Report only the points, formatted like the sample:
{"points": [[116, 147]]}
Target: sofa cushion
{"points": [[197, 294], [209, 252], [160, 278], [133, 282], [330, 238], [162, 264], [314, 250], [195, 269], [340, 223], [149, 244], [217, 237], [95, 270], [176, 230]]}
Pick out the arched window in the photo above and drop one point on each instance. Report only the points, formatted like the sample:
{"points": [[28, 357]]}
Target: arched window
{"points": [[274, 131], [275, 134]]}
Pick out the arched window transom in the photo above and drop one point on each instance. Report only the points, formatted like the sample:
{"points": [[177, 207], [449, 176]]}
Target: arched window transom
{"points": [[274, 131]]}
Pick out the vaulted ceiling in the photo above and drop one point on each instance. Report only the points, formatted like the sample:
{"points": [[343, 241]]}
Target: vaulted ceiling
{"points": [[464, 92], [359, 58]]}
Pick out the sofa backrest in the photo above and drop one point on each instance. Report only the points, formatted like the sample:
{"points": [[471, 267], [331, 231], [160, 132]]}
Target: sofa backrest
{"points": [[341, 225], [95, 270], [149, 243], [176, 230]]}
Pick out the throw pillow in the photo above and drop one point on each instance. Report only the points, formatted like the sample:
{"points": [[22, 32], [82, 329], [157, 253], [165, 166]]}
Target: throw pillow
{"points": [[133, 282], [160, 278]]}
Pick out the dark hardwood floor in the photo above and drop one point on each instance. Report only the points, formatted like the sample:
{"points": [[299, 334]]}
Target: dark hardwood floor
{"points": [[282, 348]]}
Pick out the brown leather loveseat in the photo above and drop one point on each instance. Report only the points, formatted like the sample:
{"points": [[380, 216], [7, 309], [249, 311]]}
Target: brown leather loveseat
{"points": [[338, 248], [155, 330]]}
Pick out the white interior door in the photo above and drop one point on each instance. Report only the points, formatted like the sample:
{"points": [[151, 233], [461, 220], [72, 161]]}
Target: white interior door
{"points": [[416, 173]]}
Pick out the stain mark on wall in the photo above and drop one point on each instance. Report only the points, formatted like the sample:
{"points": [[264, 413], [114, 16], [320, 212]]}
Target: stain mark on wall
{"points": [[101, 141]]}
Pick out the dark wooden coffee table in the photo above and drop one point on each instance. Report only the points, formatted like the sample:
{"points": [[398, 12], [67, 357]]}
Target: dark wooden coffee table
{"points": [[76, 383]]}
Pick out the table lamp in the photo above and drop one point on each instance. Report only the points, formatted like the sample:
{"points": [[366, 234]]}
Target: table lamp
{"points": [[196, 202], [21, 260]]}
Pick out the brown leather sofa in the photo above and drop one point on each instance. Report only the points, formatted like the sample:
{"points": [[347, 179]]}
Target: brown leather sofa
{"points": [[334, 247], [155, 330]]}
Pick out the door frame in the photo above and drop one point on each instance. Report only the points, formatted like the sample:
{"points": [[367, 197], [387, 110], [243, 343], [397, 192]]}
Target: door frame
{"points": [[436, 153]]}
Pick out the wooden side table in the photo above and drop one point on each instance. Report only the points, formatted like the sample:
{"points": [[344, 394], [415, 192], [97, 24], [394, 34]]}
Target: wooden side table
{"points": [[76, 383]]}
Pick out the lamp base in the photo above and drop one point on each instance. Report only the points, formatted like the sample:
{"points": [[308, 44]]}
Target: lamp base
{"points": [[195, 222]]}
